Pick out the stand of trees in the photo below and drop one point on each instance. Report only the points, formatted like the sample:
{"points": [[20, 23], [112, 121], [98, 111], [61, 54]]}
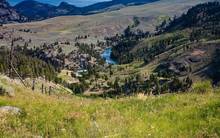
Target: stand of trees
{"points": [[123, 53], [90, 50], [202, 15], [203, 19], [122, 44], [26, 66], [214, 71], [153, 85]]}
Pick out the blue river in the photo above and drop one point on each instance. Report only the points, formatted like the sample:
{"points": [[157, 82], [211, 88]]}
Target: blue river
{"points": [[106, 55]]}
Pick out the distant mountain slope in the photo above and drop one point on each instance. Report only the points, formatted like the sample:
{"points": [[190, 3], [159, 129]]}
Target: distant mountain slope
{"points": [[7, 13], [37, 11], [104, 5], [34, 10], [199, 16]]}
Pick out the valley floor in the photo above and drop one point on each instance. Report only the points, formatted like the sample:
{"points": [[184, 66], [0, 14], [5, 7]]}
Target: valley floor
{"points": [[172, 115]]}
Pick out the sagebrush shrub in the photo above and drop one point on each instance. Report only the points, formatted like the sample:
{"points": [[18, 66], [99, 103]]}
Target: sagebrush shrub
{"points": [[2, 91]]}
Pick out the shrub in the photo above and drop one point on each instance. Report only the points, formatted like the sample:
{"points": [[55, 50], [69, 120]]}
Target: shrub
{"points": [[6, 90], [2, 91], [202, 87]]}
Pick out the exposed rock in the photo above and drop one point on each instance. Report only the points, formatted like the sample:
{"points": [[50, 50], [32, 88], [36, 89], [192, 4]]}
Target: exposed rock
{"points": [[8, 14], [9, 91], [37, 137], [179, 67], [10, 110], [195, 59]]}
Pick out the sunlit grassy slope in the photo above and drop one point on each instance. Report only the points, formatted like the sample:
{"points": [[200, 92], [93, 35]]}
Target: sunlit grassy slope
{"points": [[101, 25], [173, 115]]}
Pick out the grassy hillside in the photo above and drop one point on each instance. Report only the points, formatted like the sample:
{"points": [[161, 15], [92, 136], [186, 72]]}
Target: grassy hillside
{"points": [[184, 46], [104, 24], [174, 115]]}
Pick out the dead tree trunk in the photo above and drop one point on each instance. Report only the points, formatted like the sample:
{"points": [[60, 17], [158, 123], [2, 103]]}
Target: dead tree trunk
{"points": [[42, 88], [11, 66], [50, 88], [33, 85], [45, 90], [10, 58]]}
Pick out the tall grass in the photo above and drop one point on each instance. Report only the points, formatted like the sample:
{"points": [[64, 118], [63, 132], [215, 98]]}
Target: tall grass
{"points": [[202, 87], [172, 115]]}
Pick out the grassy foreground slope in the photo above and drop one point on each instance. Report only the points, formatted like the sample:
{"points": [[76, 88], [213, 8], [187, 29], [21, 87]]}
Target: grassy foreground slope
{"points": [[173, 115]]}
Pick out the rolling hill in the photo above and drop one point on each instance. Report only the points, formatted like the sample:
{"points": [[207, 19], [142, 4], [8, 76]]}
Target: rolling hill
{"points": [[104, 24], [34, 10], [186, 46]]}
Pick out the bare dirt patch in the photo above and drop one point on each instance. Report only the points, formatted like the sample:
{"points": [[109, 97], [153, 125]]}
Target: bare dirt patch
{"points": [[198, 52]]}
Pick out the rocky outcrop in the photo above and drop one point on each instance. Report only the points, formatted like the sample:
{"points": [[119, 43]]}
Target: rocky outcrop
{"points": [[5, 110], [8, 14], [7, 91]]}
